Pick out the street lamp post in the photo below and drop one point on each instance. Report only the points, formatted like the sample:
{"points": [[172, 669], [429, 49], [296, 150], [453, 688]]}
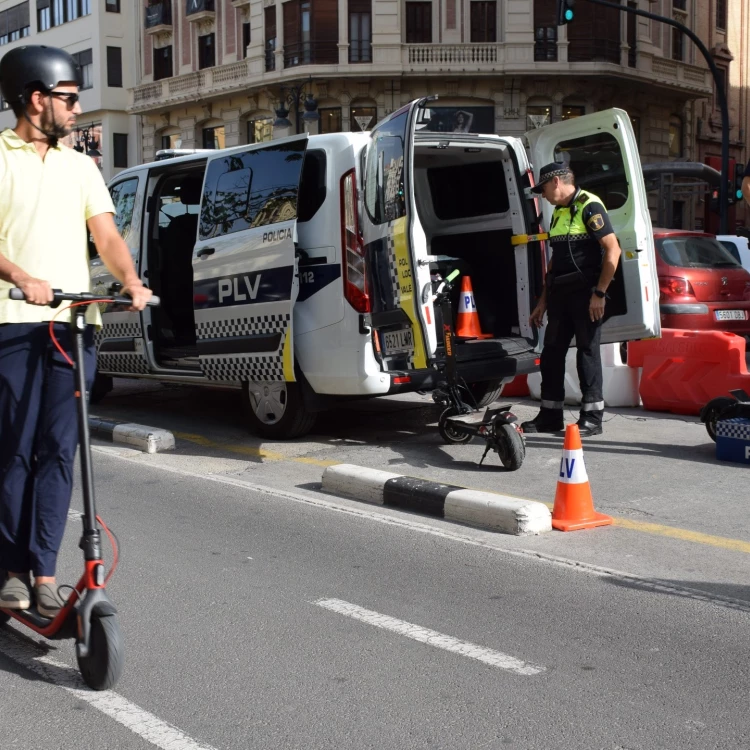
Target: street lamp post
{"points": [[291, 94]]}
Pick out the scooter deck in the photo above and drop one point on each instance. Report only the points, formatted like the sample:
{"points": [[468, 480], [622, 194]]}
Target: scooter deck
{"points": [[478, 417]]}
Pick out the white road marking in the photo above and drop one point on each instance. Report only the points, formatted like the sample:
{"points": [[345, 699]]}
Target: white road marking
{"points": [[431, 637], [144, 724]]}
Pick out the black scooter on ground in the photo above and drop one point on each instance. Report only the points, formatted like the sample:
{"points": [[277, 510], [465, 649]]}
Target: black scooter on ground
{"points": [[459, 422], [88, 615], [723, 407]]}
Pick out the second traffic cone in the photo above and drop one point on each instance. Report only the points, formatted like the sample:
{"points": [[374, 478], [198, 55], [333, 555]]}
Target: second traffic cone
{"points": [[467, 322], [574, 505]]}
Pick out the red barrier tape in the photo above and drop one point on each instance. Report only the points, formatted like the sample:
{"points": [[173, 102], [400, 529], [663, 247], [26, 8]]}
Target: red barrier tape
{"points": [[684, 370]]}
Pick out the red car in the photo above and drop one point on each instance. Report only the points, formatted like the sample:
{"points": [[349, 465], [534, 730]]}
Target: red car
{"points": [[702, 286]]}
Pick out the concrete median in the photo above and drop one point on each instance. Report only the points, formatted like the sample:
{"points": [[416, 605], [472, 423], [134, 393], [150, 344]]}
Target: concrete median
{"points": [[146, 439], [502, 513]]}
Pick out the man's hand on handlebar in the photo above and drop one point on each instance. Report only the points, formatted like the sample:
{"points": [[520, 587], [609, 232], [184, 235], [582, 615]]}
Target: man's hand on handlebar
{"points": [[140, 294], [36, 291]]}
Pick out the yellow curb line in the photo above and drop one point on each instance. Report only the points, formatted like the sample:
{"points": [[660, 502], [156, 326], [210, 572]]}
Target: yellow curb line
{"points": [[673, 532]]}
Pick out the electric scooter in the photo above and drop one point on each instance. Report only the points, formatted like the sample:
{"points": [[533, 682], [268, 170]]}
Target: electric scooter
{"points": [[459, 422], [88, 614], [724, 407]]}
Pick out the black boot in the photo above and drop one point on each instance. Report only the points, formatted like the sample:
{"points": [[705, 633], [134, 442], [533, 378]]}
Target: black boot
{"points": [[548, 420], [589, 425]]}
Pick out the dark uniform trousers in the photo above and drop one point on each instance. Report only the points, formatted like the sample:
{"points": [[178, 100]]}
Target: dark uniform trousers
{"points": [[568, 316], [38, 441]]}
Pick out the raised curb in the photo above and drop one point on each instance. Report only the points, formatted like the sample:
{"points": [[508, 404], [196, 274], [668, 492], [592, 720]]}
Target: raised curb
{"points": [[508, 515], [146, 439]]}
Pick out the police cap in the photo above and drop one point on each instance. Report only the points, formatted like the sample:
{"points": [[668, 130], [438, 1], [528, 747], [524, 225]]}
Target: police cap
{"points": [[547, 172]]}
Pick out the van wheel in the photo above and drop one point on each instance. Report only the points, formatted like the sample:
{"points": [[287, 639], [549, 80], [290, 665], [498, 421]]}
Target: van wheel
{"points": [[276, 410], [103, 384], [485, 392]]}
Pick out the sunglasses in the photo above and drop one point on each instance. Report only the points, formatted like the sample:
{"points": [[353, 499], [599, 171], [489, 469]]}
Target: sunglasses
{"points": [[69, 97]]}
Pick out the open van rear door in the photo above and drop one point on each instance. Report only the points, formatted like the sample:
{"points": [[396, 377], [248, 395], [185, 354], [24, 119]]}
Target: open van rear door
{"points": [[244, 267], [602, 151], [399, 285]]}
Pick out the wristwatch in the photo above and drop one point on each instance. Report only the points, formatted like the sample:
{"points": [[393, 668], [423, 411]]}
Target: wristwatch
{"points": [[599, 293]]}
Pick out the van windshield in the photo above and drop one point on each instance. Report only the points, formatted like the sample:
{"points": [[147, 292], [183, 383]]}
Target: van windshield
{"points": [[694, 252]]}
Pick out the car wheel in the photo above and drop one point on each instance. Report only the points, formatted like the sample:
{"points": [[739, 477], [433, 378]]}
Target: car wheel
{"points": [[276, 410]]}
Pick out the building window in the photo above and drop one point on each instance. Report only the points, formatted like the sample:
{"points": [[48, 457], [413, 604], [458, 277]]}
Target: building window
{"points": [[245, 40], [721, 14], [297, 39], [114, 67], [260, 130], [120, 150], [43, 18], [85, 60], [571, 111], [163, 63], [362, 118], [360, 31], [14, 23], [677, 45], [206, 51], [721, 84], [269, 18], [418, 23], [330, 120], [675, 137], [679, 4], [112, 6], [213, 137], [483, 21]]}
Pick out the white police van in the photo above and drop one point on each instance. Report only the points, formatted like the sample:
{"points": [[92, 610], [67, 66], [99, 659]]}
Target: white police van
{"points": [[302, 270]]}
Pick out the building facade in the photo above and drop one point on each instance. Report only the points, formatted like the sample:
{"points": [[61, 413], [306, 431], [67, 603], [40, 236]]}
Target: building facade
{"points": [[101, 35]]}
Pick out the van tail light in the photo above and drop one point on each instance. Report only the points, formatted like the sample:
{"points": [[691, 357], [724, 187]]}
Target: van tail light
{"points": [[355, 265], [674, 286]]}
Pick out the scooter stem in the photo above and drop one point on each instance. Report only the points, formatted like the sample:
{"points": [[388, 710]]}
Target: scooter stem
{"points": [[91, 539]]}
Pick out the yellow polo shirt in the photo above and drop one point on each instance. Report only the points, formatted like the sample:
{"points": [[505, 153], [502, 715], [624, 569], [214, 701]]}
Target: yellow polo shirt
{"points": [[44, 207]]}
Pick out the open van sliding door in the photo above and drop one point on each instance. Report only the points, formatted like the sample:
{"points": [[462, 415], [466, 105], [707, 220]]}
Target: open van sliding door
{"points": [[399, 286], [602, 152], [244, 267]]}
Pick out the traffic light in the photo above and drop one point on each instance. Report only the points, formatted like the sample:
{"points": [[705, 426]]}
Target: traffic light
{"points": [[714, 204], [565, 12], [739, 175]]}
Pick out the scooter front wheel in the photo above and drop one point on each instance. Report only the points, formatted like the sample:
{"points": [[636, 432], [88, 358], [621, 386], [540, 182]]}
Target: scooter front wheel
{"points": [[103, 666], [450, 432], [712, 411], [510, 447]]}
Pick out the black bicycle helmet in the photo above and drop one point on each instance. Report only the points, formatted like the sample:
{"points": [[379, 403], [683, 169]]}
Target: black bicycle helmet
{"points": [[36, 68]]}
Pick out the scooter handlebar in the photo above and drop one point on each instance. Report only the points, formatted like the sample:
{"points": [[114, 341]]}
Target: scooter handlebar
{"points": [[59, 296]]}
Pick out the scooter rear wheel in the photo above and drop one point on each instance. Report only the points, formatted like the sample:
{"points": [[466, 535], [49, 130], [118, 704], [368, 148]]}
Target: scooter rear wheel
{"points": [[450, 432], [511, 449], [103, 666]]}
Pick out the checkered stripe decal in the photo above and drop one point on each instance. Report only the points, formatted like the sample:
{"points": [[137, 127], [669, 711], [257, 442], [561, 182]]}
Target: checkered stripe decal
{"points": [[235, 367], [126, 362], [739, 427]]}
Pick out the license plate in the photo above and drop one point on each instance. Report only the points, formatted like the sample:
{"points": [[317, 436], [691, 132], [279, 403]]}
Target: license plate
{"points": [[730, 315], [398, 341]]}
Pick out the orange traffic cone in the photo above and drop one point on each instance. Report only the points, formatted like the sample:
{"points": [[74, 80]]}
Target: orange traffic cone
{"points": [[574, 505], [467, 323]]}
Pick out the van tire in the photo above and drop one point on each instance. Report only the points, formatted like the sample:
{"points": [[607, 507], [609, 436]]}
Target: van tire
{"points": [[286, 416], [485, 392], [101, 386]]}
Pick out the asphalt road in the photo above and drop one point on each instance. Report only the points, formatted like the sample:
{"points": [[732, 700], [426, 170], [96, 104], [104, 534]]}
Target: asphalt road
{"points": [[290, 620]]}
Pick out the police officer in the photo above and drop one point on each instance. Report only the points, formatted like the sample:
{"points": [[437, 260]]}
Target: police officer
{"points": [[52, 197], [585, 254]]}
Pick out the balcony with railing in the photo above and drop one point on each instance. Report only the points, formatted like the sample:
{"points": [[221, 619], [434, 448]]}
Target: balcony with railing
{"points": [[158, 17], [448, 56], [311, 53]]}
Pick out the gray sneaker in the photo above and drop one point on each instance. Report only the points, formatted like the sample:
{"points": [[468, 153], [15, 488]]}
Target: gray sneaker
{"points": [[15, 594], [48, 600]]}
